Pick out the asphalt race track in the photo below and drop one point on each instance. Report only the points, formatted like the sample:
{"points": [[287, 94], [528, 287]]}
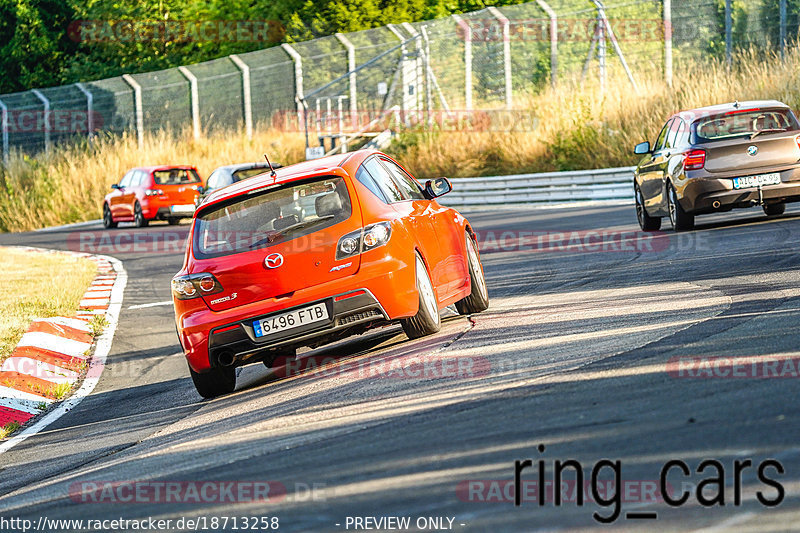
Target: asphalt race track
{"points": [[581, 351]]}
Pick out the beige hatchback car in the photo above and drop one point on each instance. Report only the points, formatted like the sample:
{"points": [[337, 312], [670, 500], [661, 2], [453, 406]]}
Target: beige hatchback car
{"points": [[713, 159]]}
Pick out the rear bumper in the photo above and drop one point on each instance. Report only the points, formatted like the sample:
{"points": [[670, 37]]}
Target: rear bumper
{"points": [[390, 293], [346, 310], [160, 210], [707, 195]]}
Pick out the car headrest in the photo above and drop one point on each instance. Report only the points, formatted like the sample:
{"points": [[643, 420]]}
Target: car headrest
{"points": [[328, 204]]}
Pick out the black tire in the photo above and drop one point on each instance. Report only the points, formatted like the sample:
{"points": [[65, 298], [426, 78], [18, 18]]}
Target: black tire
{"points": [[773, 210], [646, 222], [681, 220], [427, 320], [174, 221], [138, 216], [108, 219], [216, 382], [478, 299]]}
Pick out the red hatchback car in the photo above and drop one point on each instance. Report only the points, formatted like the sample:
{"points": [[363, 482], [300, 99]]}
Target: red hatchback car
{"points": [[316, 252], [152, 193]]}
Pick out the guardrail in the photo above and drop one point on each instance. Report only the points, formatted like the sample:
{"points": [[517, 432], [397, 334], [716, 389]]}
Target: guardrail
{"points": [[546, 187]]}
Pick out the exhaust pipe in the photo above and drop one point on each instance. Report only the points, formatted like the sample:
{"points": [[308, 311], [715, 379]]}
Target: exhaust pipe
{"points": [[716, 204], [226, 359]]}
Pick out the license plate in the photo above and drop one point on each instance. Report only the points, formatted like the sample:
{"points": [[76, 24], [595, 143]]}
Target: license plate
{"points": [[290, 320], [189, 208], [755, 181]]}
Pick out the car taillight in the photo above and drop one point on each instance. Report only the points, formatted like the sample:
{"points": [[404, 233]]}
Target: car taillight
{"points": [[153, 192], [695, 160], [797, 140], [363, 240], [194, 285]]}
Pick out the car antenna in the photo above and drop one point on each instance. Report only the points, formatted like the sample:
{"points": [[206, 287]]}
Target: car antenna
{"points": [[270, 166]]}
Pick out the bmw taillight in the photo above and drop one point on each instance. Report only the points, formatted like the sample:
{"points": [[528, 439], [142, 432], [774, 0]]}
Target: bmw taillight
{"points": [[194, 285], [797, 140], [695, 160], [153, 192], [363, 240]]}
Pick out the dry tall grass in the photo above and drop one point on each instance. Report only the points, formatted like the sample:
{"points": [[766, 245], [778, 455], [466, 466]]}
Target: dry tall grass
{"points": [[68, 184], [578, 127]]}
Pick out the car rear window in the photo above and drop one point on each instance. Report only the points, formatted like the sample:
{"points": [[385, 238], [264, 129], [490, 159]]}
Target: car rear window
{"points": [[743, 123], [248, 173], [272, 217], [176, 176]]}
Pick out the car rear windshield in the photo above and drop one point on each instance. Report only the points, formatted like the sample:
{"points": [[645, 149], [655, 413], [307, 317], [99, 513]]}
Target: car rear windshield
{"points": [[176, 176], [248, 173], [272, 217], [747, 122]]}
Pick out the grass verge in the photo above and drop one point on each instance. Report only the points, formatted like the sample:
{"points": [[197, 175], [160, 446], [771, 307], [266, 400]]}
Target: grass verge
{"points": [[38, 285]]}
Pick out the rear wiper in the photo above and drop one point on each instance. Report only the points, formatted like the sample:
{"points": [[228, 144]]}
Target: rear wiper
{"points": [[759, 132], [300, 225]]}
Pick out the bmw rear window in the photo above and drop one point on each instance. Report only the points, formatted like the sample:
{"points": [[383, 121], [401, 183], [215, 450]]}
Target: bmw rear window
{"points": [[271, 217], [745, 122]]}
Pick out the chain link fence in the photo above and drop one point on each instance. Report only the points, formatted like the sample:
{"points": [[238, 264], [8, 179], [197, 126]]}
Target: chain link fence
{"points": [[336, 86]]}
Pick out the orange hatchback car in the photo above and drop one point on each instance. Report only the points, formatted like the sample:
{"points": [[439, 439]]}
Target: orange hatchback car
{"points": [[316, 252], [152, 193]]}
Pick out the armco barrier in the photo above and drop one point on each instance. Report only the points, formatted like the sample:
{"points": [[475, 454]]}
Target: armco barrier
{"points": [[547, 187]]}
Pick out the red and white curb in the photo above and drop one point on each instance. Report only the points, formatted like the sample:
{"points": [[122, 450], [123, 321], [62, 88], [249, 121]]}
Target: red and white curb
{"points": [[55, 351]]}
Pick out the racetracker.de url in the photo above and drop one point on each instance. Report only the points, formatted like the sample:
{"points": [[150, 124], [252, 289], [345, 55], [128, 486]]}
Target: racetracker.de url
{"points": [[201, 523]]}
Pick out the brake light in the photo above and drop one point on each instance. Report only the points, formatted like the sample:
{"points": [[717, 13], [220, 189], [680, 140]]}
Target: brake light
{"points": [[695, 160], [363, 240], [797, 140], [153, 192], [194, 285]]}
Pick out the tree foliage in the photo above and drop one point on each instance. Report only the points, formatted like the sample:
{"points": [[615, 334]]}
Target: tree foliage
{"points": [[46, 41]]}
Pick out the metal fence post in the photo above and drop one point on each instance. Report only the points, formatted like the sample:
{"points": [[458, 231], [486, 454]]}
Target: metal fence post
{"points": [[89, 108], [782, 37], [553, 40], [351, 67], [418, 63], [246, 98], [426, 58], [298, 82], [137, 107], [506, 52], [4, 124], [668, 42], [467, 61], [728, 33], [47, 125], [195, 97]]}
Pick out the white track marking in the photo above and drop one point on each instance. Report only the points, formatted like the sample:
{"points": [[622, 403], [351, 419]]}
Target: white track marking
{"points": [[154, 304], [73, 323], [54, 343], [39, 369]]}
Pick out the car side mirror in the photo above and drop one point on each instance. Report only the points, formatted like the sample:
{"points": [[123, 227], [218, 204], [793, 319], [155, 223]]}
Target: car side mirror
{"points": [[438, 187], [115, 186], [642, 148], [200, 190]]}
